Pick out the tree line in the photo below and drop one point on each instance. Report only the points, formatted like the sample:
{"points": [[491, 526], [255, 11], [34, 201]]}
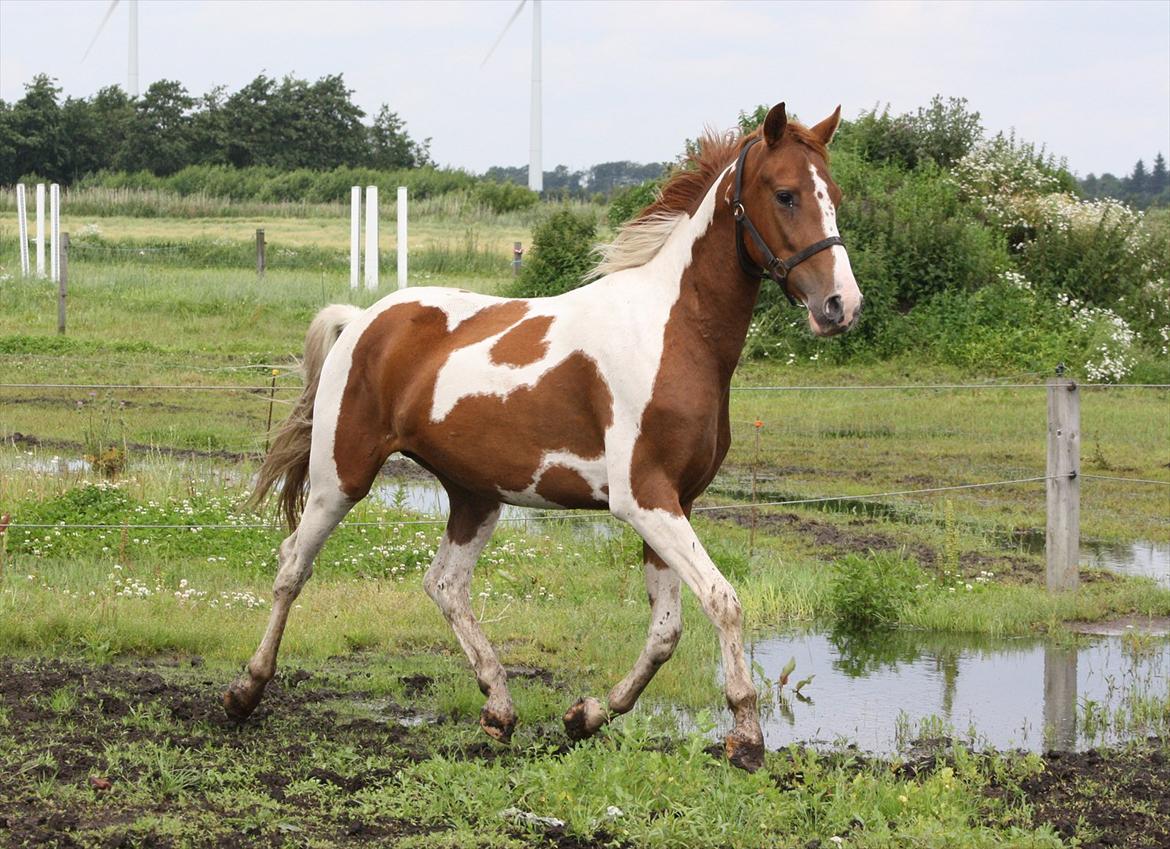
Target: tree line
{"points": [[286, 124], [281, 125], [1140, 188]]}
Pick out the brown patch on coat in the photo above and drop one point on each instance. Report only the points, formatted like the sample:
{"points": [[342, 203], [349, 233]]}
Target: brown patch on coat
{"points": [[486, 443], [566, 487], [523, 344], [393, 369]]}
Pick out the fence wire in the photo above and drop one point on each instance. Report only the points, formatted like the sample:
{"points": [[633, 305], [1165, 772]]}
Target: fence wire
{"points": [[556, 516]]}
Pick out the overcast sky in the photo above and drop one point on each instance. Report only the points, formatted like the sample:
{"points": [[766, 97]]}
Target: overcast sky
{"points": [[631, 80]]}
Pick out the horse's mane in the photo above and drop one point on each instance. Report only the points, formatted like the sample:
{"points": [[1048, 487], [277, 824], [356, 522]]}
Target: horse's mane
{"points": [[639, 240]]}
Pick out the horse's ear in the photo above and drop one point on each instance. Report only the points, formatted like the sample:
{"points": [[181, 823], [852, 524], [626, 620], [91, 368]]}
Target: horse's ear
{"points": [[774, 125], [825, 130]]}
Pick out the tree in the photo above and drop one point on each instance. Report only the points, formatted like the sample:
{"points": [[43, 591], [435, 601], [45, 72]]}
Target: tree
{"points": [[1158, 182], [39, 143], [1136, 182], [161, 138], [389, 146]]}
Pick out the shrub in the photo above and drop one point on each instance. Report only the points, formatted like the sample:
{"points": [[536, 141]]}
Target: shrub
{"points": [[628, 202], [561, 255], [504, 197], [874, 590]]}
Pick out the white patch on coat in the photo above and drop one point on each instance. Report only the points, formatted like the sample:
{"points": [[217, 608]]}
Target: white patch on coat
{"points": [[619, 322]]}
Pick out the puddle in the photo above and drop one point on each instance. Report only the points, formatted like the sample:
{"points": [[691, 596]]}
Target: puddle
{"points": [[430, 500], [54, 465], [1145, 559], [884, 691]]}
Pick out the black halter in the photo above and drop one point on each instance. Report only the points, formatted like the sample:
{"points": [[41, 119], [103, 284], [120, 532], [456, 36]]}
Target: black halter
{"points": [[773, 266]]}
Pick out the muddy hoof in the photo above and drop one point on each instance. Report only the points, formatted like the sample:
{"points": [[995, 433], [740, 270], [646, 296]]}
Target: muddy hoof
{"points": [[744, 752], [584, 718], [496, 725], [241, 699]]}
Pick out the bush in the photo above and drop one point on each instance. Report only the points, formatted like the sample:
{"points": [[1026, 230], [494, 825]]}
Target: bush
{"points": [[504, 197], [560, 257], [873, 591], [628, 202]]}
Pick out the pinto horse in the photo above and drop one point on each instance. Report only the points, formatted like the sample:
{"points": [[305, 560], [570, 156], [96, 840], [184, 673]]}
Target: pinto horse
{"points": [[610, 396]]}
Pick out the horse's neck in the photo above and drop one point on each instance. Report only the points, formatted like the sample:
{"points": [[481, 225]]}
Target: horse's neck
{"points": [[716, 300]]}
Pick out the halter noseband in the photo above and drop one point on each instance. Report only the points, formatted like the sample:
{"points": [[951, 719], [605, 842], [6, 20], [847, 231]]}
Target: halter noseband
{"points": [[773, 266]]}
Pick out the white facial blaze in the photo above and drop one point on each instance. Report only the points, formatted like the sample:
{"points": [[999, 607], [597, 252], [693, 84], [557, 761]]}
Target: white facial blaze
{"points": [[844, 283]]}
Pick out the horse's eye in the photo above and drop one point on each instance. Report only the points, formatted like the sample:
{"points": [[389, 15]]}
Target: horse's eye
{"points": [[785, 199]]}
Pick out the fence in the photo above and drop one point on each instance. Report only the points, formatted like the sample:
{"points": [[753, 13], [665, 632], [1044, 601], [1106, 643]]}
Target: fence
{"points": [[371, 252], [1061, 477]]}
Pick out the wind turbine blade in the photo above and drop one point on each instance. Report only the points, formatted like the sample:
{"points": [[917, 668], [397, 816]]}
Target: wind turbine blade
{"points": [[503, 32], [101, 26]]}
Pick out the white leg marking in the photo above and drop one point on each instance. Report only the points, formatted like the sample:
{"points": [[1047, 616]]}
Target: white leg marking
{"points": [[448, 583]]}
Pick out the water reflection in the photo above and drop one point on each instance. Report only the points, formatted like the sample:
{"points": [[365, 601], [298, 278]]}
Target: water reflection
{"points": [[881, 691]]}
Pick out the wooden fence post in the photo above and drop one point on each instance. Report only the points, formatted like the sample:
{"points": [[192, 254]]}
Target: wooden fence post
{"points": [[62, 281], [260, 259], [1063, 484], [1060, 698]]}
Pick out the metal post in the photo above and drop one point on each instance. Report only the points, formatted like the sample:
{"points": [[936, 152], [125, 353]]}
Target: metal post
{"points": [[62, 281], [22, 228], [371, 238], [261, 260], [355, 232], [517, 257], [54, 232], [403, 251], [1064, 486], [40, 229]]}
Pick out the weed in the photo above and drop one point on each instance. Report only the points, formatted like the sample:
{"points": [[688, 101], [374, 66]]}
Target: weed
{"points": [[873, 591]]}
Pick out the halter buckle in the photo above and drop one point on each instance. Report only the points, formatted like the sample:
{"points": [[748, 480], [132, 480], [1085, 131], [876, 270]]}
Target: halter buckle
{"points": [[737, 211]]}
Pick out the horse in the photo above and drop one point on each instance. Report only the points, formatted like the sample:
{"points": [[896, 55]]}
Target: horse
{"points": [[613, 395]]}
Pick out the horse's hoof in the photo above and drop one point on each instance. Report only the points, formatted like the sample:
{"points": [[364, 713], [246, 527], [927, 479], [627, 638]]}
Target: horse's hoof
{"points": [[241, 699], [498, 726], [743, 751], [584, 718]]}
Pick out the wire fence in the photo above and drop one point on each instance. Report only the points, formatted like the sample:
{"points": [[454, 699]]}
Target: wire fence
{"points": [[562, 516]]}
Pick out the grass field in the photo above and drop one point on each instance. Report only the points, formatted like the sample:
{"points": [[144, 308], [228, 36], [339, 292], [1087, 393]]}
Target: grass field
{"points": [[326, 762]]}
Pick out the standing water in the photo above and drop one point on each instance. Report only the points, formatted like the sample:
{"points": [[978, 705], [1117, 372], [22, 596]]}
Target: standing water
{"points": [[882, 691]]}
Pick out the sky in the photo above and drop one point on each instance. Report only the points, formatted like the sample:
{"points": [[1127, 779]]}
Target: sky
{"points": [[630, 80]]}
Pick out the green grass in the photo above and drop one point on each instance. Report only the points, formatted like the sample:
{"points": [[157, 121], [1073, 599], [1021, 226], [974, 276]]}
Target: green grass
{"points": [[555, 600]]}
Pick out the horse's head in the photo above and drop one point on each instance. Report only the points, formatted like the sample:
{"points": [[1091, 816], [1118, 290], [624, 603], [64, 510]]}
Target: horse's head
{"points": [[784, 193]]}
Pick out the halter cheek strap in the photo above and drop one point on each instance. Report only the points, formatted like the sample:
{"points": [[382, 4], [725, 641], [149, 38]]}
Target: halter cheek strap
{"points": [[773, 266]]}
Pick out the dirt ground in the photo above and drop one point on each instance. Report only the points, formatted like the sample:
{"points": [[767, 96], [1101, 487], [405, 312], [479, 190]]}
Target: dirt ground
{"points": [[77, 776]]}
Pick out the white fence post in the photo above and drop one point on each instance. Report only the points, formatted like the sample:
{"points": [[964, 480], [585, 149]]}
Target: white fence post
{"points": [[55, 233], [22, 228], [371, 238], [402, 249], [355, 230], [1062, 543], [40, 229]]}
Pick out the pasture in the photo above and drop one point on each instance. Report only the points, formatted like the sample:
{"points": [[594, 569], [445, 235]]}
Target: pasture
{"points": [[118, 640]]}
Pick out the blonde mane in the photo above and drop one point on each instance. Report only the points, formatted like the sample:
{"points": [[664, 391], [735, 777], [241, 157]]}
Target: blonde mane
{"points": [[639, 240]]}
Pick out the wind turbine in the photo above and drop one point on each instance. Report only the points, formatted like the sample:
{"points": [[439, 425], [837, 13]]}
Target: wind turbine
{"points": [[535, 169], [132, 59]]}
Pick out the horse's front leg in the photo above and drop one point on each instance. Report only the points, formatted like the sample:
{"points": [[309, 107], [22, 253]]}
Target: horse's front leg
{"points": [[663, 590], [448, 583], [667, 529]]}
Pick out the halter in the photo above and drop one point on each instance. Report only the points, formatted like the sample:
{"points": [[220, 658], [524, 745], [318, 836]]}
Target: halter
{"points": [[773, 266]]}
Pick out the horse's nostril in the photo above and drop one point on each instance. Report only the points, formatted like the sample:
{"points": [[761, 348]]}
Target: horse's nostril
{"points": [[834, 309]]}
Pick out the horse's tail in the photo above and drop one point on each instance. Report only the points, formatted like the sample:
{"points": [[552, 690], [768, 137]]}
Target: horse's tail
{"points": [[288, 458]]}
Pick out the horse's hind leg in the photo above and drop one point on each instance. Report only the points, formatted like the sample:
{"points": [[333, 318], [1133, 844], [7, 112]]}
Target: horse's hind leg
{"points": [[663, 588], [448, 582], [326, 506]]}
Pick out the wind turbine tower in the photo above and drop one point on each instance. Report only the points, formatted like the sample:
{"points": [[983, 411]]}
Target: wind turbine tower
{"points": [[132, 57], [535, 167]]}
